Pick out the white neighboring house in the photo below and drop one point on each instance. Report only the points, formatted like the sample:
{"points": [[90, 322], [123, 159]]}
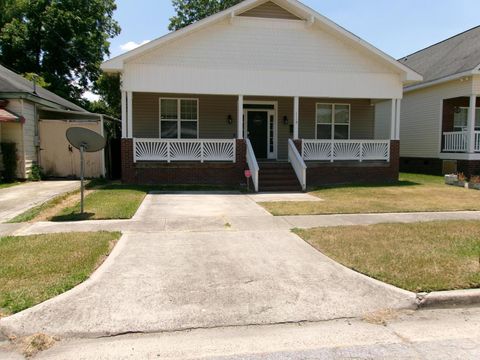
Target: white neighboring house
{"points": [[440, 119], [36, 120], [257, 85]]}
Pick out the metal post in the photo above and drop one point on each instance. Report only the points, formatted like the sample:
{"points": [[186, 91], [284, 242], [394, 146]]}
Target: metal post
{"points": [[82, 170]]}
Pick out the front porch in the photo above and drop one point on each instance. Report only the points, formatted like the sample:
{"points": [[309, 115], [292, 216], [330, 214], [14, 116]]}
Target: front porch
{"points": [[189, 138], [461, 128]]}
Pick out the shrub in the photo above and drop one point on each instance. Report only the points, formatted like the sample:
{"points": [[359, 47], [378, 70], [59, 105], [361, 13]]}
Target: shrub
{"points": [[36, 173], [475, 179], [9, 157], [462, 177]]}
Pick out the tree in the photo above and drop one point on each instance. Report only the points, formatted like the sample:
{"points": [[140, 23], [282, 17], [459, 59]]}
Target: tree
{"points": [[190, 11], [108, 87], [63, 41]]}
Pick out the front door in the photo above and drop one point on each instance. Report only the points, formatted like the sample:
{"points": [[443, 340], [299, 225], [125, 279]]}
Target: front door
{"points": [[258, 132]]}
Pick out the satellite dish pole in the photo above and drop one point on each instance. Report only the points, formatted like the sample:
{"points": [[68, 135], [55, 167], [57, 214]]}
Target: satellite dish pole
{"points": [[84, 140], [82, 175]]}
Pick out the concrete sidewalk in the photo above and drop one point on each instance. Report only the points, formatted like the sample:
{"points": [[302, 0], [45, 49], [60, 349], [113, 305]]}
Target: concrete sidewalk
{"points": [[432, 334], [147, 221], [17, 199]]}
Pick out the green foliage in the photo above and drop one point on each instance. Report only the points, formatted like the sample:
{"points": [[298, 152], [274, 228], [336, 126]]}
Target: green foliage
{"points": [[40, 81], [190, 11], [9, 156], [36, 173], [108, 87], [62, 41]]}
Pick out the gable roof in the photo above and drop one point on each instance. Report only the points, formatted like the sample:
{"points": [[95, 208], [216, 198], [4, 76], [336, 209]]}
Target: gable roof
{"points": [[293, 6], [458, 55], [13, 83]]}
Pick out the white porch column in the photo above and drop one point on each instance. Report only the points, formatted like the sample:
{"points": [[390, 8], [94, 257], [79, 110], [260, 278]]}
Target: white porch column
{"points": [[397, 118], [240, 117], [129, 115], [393, 119], [471, 124], [296, 106], [124, 114]]}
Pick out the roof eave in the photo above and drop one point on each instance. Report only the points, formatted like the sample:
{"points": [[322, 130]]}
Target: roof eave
{"points": [[423, 85]]}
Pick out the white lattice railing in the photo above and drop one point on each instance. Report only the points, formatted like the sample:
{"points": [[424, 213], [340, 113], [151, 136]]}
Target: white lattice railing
{"points": [[252, 164], [334, 150], [184, 150], [298, 164], [455, 141]]}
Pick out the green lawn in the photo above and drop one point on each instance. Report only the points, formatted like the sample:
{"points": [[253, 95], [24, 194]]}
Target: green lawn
{"points": [[7, 185], [413, 192], [37, 267], [417, 257], [109, 202]]}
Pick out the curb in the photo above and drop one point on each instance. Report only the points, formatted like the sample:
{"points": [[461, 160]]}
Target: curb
{"points": [[448, 298]]}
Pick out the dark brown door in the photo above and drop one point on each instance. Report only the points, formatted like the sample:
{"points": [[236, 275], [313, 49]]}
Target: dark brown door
{"points": [[258, 132]]}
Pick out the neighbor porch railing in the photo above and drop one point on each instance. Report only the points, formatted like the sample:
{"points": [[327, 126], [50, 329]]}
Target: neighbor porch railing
{"points": [[169, 150], [298, 164], [335, 150], [455, 141]]}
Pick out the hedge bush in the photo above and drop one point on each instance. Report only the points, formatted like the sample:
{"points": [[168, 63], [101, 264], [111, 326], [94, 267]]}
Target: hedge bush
{"points": [[9, 156]]}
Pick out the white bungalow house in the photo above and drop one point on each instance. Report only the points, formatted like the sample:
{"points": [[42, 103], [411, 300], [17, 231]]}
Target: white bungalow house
{"points": [[440, 117], [272, 86]]}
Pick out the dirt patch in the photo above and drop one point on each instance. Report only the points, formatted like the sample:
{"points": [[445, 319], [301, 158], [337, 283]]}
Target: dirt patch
{"points": [[69, 201], [32, 345], [381, 317]]}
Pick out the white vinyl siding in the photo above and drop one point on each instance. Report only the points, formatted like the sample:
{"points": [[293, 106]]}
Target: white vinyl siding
{"points": [[268, 57], [178, 118], [421, 117]]}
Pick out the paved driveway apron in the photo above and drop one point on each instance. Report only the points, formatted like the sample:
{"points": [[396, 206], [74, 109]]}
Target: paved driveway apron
{"points": [[220, 260], [17, 199]]}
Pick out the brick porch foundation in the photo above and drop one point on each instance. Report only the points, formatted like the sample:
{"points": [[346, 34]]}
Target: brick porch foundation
{"points": [[355, 172], [213, 173]]}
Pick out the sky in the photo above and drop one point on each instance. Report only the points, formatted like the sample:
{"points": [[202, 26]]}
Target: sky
{"points": [[397, 27]]}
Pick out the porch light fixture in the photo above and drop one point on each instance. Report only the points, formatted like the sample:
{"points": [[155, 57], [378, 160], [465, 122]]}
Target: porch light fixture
{"points": [[229, 119], [457, 110], [285, 120]]}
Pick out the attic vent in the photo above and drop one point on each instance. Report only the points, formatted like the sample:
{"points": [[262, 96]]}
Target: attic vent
{"points": [[270, 10]]}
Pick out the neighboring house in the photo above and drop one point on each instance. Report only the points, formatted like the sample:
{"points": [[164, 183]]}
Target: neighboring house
{"points": [[440, 118], [36, 120], [256, 86]]}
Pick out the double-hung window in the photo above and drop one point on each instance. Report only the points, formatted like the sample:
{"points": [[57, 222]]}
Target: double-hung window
{"points": [[332, 121], [178, 118], [460, 119]]}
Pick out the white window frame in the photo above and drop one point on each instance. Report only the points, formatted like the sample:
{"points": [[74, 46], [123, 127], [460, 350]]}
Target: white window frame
{"points": [[332, 134], [465, 128], [179, 116]]}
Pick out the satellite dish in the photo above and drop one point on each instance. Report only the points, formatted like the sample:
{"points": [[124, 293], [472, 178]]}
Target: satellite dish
{"points": [[84, 140], [90, 140]]}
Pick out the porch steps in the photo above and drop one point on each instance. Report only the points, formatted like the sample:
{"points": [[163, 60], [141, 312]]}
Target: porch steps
{"points": [[277, 176]]}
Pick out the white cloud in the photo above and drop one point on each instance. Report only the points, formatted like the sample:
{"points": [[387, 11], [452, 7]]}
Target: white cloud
{"points": [[90, 96], [132, 45]]}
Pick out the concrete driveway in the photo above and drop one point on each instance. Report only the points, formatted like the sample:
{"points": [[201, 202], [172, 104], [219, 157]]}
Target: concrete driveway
{"points": [[207, 276], [17, 199]]}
